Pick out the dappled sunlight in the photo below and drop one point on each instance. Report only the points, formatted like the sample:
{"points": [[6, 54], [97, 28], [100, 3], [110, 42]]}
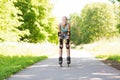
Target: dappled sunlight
{"points": [[40, 66], [103, 73], [24, 76]]}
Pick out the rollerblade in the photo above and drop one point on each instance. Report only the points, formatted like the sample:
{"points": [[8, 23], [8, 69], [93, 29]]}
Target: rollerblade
{"points": [[68, 61], [60, 61]]}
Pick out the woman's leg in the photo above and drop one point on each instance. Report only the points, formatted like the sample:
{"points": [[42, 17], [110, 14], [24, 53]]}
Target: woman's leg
{"points": [[68, 50], [60, 47], [68, 46], [60, 50]]}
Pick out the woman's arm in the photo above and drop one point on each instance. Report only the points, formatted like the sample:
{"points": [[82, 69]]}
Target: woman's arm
{"points": [[69, 29], [59, 30]]}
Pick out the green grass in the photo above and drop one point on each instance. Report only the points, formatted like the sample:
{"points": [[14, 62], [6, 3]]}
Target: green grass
{"points": [[10, 65], [110, 57]]}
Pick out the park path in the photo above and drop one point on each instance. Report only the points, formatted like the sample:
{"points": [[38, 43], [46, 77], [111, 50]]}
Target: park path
{"points": [[83, 67]]}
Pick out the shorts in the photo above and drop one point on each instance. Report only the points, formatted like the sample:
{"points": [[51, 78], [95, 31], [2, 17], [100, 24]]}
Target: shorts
{"points": [[63, 36]]}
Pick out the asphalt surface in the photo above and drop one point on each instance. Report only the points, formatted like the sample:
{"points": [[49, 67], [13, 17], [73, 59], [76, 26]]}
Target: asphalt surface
{"points": [[83, 67]]}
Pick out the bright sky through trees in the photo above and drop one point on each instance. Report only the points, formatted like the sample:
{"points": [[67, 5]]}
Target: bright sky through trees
{"points": [[66, 7]]}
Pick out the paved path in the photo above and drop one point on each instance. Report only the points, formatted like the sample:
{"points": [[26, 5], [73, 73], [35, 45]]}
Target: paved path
{"points": [[83, 67]]}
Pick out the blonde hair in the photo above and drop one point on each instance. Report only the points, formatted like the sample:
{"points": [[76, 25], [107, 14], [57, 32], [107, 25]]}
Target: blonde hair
{"points": [[65, 17]]}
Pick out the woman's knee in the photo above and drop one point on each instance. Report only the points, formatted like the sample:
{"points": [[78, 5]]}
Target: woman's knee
{"points": [[67, 43], [61, 43]]}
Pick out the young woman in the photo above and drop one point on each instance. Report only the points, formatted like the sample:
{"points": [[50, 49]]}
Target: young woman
{"points": [[64, 33]]}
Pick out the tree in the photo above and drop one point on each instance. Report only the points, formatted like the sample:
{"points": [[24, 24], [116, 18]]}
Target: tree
{"points": [[9, 21], [117, 12], [75, 21], [116, 3], [37, 19], [98, 20]]}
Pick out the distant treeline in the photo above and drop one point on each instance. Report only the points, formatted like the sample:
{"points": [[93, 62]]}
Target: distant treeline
{"points": [[96, 21]]}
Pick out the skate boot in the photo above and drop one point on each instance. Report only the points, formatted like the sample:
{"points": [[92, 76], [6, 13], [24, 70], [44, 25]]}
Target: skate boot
{"points": [[60, 61], [68, 61]]}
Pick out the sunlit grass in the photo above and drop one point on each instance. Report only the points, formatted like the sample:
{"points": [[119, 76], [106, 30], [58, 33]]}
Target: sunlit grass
{"points": [[110, 57], [29, 49], [10, 65]]}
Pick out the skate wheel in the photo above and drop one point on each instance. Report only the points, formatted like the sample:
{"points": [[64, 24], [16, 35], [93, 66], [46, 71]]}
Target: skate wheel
{"points": [[60, 65]]}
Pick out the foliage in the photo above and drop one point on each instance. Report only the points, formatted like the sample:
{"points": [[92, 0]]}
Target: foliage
{"points": [[118, 16], [75, 21], [118, 22], [37, 19], [27, 20], [96, 20], [11, 65], [116, 3], [9, 21]]}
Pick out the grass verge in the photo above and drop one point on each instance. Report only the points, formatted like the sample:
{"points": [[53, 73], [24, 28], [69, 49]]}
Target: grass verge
{"points": [[110, 57], [106, 50], [10, 65]]}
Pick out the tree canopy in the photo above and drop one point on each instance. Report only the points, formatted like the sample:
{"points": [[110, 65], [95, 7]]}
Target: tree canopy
{"points": [[96, 20], [30, 20], [9, 21]]}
